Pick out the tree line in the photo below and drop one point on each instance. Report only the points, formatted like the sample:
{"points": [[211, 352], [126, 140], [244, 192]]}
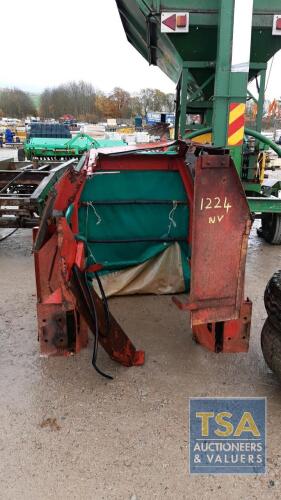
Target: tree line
{"points": [[16, 104], [85, 103]]}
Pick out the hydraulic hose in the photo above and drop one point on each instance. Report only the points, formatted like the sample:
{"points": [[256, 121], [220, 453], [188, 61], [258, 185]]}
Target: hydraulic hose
{"points": [[105, 303], [248, 131], [264, 139], [96, 334]]}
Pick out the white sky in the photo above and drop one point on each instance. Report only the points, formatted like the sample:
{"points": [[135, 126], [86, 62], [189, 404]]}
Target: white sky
{"points": [[46, 43]]}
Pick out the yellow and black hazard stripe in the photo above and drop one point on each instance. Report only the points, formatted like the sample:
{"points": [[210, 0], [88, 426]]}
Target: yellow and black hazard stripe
{"points": [[236, 123]]}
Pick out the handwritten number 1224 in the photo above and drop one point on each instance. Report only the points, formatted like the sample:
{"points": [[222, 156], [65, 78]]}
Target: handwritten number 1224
{"points": [[216, 202]]}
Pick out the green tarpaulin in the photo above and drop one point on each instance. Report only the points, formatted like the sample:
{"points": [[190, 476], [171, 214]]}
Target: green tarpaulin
{"points": [[145, 221]]}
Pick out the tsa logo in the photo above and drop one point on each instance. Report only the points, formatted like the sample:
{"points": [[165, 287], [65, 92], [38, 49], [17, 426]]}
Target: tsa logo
{"points": [[227, 435]]}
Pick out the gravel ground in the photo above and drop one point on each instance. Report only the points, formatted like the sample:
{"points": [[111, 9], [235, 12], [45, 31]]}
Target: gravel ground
{"points": [[68, 433]]}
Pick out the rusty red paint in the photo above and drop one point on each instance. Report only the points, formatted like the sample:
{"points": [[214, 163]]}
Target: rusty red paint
{"points": [[220, 229], [229, 336], [62, 326], [67, 188], [94, 268], [56, 309], [115, 342]]}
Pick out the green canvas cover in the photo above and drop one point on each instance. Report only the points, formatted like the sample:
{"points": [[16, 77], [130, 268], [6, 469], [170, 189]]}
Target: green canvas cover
{"points": [[134, 221]]}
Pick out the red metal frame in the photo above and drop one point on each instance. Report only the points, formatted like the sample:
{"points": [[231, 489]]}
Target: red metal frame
{"points": [[221, 224], [219, 315], [62, 324]]}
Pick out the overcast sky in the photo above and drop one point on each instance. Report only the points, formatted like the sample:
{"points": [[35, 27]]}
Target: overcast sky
{"points": [[45, 43]]}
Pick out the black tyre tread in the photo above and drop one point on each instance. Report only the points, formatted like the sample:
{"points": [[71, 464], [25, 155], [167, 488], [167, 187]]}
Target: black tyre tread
{"points": [[271, 228], [272, 299], [271, 347], [277, 236], [21, 154]]}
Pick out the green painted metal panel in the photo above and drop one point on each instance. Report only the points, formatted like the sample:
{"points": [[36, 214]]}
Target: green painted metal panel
{"points": [[199, 61], [141, 21], [223, 74], [108, 143], [263, 205], [46, 142], [75, 146]]}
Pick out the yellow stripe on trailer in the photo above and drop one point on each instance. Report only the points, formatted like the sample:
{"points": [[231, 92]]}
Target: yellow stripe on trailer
{"points": [[237, 112], [236, 123], [236, 138]]}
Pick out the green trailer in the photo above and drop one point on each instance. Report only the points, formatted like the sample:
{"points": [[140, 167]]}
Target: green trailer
{"points": [[61, 148], [212, 50]]}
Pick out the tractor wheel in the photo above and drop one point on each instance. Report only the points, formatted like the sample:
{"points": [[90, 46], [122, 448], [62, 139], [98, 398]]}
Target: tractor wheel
{"points": [[271, 347], [271, 228], [272, 299], [21, 154]]}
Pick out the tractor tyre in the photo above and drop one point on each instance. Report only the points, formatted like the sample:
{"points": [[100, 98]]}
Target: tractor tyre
{"points": [[272, 299], [271, 347], [21, 154], [271, 228]]}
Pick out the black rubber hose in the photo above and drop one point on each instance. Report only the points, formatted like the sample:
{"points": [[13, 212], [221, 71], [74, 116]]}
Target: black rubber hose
{"points": [[96, 335], [105, 303]]}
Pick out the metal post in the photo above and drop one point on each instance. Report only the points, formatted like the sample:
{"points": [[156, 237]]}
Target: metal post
{"points": [[232, 71], [183, 101], [261, 100], [176, 136]]}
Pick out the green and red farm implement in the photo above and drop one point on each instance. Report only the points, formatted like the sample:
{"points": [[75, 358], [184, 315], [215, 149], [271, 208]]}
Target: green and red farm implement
{"points": [[63, 148], [113, 222]]}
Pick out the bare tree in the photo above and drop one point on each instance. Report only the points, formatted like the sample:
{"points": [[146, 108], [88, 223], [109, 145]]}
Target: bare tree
{"points": [[75, 98], [156, 100], [81, 100], [16, 103]]}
